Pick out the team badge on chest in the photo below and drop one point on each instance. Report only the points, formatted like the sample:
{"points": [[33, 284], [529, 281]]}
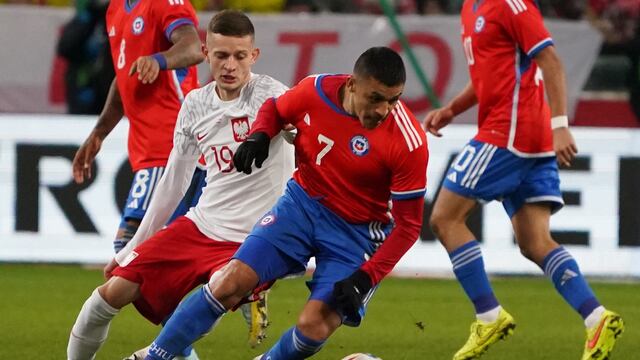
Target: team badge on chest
{"points": [[240, 128], [480, 23], [138, 25], [359, 145]]}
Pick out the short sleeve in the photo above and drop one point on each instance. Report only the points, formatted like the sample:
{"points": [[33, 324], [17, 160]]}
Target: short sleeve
{"points": [[523, 21], [409, 157], [174, 13]]}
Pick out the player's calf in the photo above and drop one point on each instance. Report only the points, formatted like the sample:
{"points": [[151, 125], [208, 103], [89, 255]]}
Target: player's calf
{"points": [[91, 327], [125, 234]]}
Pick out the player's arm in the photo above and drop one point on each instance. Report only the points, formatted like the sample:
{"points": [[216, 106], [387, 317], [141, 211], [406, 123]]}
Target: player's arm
{"points": [[111, 114], [185, 51], [408, 186], [439, 118], [172, 186], [555, 84]]}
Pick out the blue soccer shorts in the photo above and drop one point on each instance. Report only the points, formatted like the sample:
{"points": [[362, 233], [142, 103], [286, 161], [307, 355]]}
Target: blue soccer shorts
{"points": [[142, 189], [299, 227], [486, 172]]}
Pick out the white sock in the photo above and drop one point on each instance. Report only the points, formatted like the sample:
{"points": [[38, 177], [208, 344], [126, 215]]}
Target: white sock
{"points": [[91, 328], [594, 318], [489, 316]]}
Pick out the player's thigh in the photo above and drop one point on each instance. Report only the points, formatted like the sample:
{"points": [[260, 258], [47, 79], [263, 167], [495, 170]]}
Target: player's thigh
{"points": [[482, 172], [540, 184], [170, 264], [451, 207], [119, 292]]}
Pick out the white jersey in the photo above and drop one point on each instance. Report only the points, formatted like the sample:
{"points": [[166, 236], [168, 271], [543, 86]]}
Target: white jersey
{"points": [[232, 201]]}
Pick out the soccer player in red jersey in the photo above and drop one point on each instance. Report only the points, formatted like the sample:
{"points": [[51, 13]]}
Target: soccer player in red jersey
{"points": [[513, 159], [357, 147]]}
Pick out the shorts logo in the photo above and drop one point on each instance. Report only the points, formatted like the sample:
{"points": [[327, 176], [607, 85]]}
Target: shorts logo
{"points": [[359, 145], [267, 220], [129, 259], [240, 129], [480, 22], [138, 25]]}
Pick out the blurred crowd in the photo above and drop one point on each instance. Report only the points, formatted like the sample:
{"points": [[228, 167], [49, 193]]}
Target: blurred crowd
{"points": [[617, 69]]}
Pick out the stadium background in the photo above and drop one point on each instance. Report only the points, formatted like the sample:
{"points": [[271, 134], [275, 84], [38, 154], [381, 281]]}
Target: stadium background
{"points": [[46, 219]]}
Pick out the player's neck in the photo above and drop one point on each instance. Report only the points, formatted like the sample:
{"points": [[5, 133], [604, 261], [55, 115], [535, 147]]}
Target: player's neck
{"points": [[226, 95], [345, 100]]}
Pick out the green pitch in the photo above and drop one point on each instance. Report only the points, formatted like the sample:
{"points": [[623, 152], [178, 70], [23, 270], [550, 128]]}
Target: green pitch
{"points": [[407, 319]]}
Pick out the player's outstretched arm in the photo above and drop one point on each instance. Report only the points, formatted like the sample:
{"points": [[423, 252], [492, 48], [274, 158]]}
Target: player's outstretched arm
{"points": [[554, 79], [185, 51], [111, 114], [439, 118]]}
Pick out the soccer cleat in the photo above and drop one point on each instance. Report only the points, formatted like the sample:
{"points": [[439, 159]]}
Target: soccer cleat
{"points": [[602, 338], [484, 335], [142, 353], [255, 314], [259, 357]]}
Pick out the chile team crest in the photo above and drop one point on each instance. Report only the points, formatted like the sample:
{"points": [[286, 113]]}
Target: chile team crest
{"points": [[240, 128], [138, 25], [359, 145]]}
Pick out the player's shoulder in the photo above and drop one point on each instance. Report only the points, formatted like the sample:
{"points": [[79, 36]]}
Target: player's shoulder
{"points": [[200, 94], [515, 7], [265, 84], [407, 132]]}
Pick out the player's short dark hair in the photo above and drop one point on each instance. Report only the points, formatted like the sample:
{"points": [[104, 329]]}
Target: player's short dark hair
{"points": [[383, 64], [231, 23]]}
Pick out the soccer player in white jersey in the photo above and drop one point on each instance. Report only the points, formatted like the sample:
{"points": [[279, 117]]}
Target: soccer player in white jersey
{"points": [[158, 267]]}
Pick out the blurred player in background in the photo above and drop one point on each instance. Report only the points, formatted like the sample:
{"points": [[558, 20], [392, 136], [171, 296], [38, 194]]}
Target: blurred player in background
{"points": [[514, 159], [154, 47], [214, 120], [357, 147]]}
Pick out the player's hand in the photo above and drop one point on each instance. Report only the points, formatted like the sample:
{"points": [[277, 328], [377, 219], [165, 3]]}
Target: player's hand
{"points": [[350, 292], [147, 68], [256, 147], [108, 269], [83, 160], [564, 146], [437, 119]]}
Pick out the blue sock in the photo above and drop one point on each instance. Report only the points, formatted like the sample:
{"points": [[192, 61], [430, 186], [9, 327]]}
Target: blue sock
{"points": [[293, 346], [193, 318], [563, 270], [187, 351], [468, 267]]}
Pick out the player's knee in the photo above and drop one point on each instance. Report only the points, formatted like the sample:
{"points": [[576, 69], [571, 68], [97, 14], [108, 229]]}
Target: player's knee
{"points": [[230, 284], [438, 223], [314, 326]]}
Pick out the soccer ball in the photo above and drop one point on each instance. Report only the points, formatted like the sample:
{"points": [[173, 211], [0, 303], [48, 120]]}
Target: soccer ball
{"points": [[361, 356]]}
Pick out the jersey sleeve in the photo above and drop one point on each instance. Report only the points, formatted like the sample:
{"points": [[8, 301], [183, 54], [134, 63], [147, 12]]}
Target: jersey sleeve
{"points": [[174, 13], [409, 157], [523, 21]]}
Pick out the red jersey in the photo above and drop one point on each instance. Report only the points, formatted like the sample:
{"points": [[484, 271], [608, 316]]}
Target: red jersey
{"points": [[500, 40], [352, 170], [143, 29]]}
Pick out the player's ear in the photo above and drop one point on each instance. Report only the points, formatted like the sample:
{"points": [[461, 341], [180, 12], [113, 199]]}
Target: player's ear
{"points": [[255, 54], [351, 84], [205, 51]]}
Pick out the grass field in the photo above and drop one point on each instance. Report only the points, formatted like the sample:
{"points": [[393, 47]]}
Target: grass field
{"points": [[407, 319]]}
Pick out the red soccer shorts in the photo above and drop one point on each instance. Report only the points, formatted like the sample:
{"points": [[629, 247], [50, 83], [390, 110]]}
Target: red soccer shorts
{"points": [[170, 264]]}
